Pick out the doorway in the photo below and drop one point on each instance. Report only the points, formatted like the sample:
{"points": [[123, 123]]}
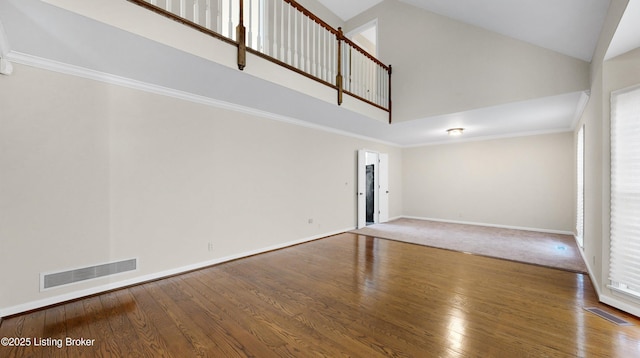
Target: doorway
{"points": [[370, 194], [373, 189], [366, 36]]}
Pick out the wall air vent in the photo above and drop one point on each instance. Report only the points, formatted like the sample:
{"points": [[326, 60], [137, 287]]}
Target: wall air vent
{"points": [[51, 280]]}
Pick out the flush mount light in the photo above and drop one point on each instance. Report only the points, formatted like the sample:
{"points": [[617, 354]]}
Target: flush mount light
{"points": [[455, 131]]}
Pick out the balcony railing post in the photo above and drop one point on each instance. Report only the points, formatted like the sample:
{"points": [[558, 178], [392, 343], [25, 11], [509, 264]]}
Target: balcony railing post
{"points": [[339, 61], [241, 32], [389, 94]]}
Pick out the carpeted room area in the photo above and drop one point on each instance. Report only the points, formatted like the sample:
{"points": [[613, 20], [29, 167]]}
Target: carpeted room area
{"points": [[538, 248]]}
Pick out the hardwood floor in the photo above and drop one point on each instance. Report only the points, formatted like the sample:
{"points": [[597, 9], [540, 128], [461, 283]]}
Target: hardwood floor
{"points": [[345, 295]]}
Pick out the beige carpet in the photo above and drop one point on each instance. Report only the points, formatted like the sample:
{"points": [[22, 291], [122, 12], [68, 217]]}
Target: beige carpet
{"points": [[538, 248]]}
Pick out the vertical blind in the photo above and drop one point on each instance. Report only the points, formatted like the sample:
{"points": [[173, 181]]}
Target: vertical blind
{"points": [[580, 187], [624, 269]]}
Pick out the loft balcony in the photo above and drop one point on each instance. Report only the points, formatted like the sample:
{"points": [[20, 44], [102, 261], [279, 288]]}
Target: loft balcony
{"points": [[273, 56]]}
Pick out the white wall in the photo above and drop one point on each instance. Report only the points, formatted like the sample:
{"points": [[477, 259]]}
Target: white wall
{"points": [[444, 66], [93, 173], [522, 182], [322, 12], [619, 72]]}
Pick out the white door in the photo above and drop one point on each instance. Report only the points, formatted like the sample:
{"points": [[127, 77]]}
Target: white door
{"points": [[361, 188], [383, 188]]}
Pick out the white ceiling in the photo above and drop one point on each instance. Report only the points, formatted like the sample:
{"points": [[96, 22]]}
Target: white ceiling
{"points": [[627, 35], [570, 27]]}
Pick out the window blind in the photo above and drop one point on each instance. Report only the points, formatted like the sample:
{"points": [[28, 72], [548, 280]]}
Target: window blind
{"points": [[580, 187], [624, 269]]}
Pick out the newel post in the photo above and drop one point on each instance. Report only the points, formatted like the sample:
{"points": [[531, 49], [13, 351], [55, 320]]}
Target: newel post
{"points": [[241, 32], [339, 61]]}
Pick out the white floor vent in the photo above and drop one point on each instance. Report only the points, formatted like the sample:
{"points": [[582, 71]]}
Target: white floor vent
{"points": [[56, 279]]}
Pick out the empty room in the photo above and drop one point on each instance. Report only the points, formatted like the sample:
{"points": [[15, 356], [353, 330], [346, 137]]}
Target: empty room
{"points": [[269, 178]]}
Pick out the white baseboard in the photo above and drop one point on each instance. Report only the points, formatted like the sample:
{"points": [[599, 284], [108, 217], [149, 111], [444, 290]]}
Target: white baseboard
{"points": [[490, 225], [29, 306], [621, 305]]}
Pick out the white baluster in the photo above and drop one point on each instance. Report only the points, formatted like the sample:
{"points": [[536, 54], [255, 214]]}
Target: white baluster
{"points": [[266, 41], [260, 24], [219, 16], [207, 14], [282, 53], [378, 83], [274, 49], [372, 76], [356, 73], [289, 45], [321, 52], [296, 62], [380, 86], [196, 11], [314, 44], [332, 58], [367, 73], [231, 33], [183, 8], [250, 23], [168, 6], [325, 54], [382, 89], [307, 44]]}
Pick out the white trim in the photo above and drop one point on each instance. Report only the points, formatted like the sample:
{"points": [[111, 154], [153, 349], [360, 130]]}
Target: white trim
{"points": [[60, 67], [594, 282], [622, 305], [549, 231], [580, 107], [8, 311]]}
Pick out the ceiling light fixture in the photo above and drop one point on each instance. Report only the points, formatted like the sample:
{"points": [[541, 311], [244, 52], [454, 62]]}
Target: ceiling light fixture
{"points": [[455, 131]]}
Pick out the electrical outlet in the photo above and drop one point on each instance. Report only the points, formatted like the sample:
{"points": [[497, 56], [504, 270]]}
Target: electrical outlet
{"points": [[210, 246]]}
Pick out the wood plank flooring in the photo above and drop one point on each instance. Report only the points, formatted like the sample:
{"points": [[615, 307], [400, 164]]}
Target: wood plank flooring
{"points": [[345, 295]]}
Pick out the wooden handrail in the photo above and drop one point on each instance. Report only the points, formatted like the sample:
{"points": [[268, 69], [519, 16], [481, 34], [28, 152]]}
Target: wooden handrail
{"points": [[365, 53], [312, 16], [174, 17], [339, 84]]}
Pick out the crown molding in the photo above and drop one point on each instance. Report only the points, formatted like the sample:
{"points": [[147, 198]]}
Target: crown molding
{"points": [[72, 70]]}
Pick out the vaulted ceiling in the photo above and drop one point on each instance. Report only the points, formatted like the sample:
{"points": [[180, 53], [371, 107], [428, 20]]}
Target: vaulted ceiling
{"points": [[570, 27]]}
